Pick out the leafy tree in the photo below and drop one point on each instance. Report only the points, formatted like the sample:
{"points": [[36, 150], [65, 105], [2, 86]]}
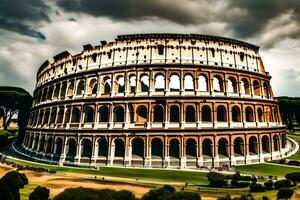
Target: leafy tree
{"points": [[285, 193], [39, 193]]}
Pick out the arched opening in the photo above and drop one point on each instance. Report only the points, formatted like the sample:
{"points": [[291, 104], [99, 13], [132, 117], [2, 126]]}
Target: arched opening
{"points": [[132, 81], [102, 147], [265, 144], [245, 86], [142, 114], [50, 92], [249, 114], [121, 85], [158, 113], [107, 86], [71, 150], [56, 90], [253, 145], [202, 83], [119, 148], [236, 114], [157, 148], [191, 148], [159, 83], [190, 114], [80, 88], [75, 115], [89, 114], [145, 83], [49, 145], [174, 149], [256, 88], [60, 115], [231, 85], [207, 148], [46, 117], [174, 113], [86, 148], [53, 116], [206, 114], [266, 90], [93, 86], [42, 144], [70, 90], [119, 114], [217, 84], [283, 140], [223, 148], [239, 147], [103, 114], [188, 83], [276, 143], [63, 90], [58, 146], [260, 115], [174, 83], [138, 148], [221, 114]]}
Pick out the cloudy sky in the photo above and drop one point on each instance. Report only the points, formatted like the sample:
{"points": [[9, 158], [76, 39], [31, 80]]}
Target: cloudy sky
{"points": [[32, 31]]}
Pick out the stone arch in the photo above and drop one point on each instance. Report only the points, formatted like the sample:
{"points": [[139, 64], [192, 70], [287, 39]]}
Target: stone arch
{"points": [[142, 114], [60, 115], [207, 148], [276, 143], [238, 147], [217, 84], [132, 82], [93, 86], [56, 90], [174, 113], [190, 114], [119, 148], [159, 83], [137, 148], [174, 83], [80, 88], [70, 90], [36, 142], [223, 147], [76, 115], [256, 88], [202, 83], [245, 86], [58, 146], [42, 144], [50, 92], [265, 144], [266, 90], [120, 84], [46, 116], [236, 114], [260, 115], [41, 114], [221, 114], [71, 149], [158, 113], [49, 145], [191, 148], [156, 148], [86, 148], [231, 85], [89, 114], [53, 116], [104, 114], [253, 145], [145, 82], [174, 150], [206, 114], [102, 147], [249, 114], [106, 85], [63, 90], [188, 82], [119, 114]]}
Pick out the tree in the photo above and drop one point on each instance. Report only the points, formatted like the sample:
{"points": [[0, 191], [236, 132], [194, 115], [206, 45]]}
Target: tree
{"points": [[39, 193], [216, 179], [294, 176], [285, 193]]}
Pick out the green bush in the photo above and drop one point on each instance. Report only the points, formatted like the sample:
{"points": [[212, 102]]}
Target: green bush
{"points": [[39, 193], [84, 193], [123, 195], [3, 138], [256, 187], [186, 196], [268, 184], [216, 179], [282, 183], [294, 176], [284, 193]]}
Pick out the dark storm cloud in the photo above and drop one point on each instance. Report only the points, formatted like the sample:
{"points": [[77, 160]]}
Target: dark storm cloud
{"points": [[132, 9], [20, 16]]}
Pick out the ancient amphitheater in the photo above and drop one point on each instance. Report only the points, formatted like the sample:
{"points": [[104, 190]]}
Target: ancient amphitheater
{"points": [[156, 100]]}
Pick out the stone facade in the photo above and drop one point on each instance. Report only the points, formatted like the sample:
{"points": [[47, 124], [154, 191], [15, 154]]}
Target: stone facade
{"points": [[156, 100]]}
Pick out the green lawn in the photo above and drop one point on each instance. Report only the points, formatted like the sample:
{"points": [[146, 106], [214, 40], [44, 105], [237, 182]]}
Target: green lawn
{"points": [[294, 136]]}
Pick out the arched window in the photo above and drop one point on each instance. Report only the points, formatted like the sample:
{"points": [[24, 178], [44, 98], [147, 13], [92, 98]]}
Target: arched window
{"points": [[260, 115], [132, 81], [121, 84], [103, 114], [239, 147], [174, 148], [174, 114], [107, 86], [217, 84], [93, 86], [142, 114], [119, 114], [145, 83], [256, 88], [138, 148], [159, 83], [102, 147], [221, 114], [119, 148], [86, 148], [174, 83], [223, 147], [245, 86], [88, 114], [80, 88], [202, 83], [206, 114], [231, 85], [188, 83], [266, 90], [207, 148], [266, 144], [156, 148], [71, 149], [236, 114], [58, 146], [75, 115], [191, 148], [253, 145], [249, 114], [158, 113], [190, 115]]}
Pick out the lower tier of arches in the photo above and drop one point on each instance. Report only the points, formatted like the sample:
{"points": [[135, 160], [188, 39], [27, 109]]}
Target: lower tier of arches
{"points": [[156, 150]]}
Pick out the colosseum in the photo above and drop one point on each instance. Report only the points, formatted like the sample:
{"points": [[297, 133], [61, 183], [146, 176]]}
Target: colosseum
{"points": [[156, 100]]}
